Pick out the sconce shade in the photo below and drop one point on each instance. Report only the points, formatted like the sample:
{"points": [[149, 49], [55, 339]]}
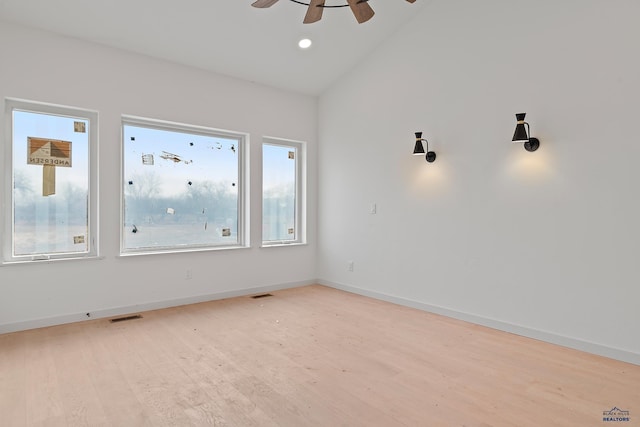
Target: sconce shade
{"points": [[520, 135], [418, 150]]}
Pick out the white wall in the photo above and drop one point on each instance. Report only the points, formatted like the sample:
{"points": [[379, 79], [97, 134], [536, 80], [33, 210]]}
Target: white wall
{"points": [[540, 243], [44, 67], [546, 243]]}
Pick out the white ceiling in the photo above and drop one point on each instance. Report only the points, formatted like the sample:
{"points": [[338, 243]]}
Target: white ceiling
{"points": [[226, 36]]}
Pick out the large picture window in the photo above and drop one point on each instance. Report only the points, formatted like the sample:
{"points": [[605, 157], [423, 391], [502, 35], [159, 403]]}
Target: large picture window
{"points": [[50, 182], [283, 193], [183, 187]]}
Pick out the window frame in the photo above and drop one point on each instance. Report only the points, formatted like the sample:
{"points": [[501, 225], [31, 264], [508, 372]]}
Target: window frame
{"points": [[242, 184], [15, 104], [300, 222]]}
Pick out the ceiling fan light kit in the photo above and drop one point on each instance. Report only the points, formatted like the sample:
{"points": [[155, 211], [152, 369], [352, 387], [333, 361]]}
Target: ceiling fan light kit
{"points": [[360, 8]]}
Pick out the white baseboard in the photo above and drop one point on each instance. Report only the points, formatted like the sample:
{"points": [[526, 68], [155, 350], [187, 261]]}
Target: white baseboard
{"points": [[139, 308], [576, 344]]}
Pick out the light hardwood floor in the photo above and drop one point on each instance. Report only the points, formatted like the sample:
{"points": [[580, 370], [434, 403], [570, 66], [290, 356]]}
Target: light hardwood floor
{"points": [[311, 356]]}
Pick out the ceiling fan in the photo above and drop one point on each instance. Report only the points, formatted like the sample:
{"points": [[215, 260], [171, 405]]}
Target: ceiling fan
{"points": [[360, 8]]}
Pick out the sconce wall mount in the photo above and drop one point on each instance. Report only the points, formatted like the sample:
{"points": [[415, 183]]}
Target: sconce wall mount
{"points": [[419, 150], [523, 134]]}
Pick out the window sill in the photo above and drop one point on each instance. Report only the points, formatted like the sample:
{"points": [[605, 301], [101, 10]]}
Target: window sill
{"points": [[180, 251], [50, 260], [282, 244]]}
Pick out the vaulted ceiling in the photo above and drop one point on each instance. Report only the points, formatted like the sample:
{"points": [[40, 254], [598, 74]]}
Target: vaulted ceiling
{"points": [[226, 36]]}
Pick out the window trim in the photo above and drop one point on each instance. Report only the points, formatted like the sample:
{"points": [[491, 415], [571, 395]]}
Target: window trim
{"points": [[243, 183], [15, 104], [301, 192]]}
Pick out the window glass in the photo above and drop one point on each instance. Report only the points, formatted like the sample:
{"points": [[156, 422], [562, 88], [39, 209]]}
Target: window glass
{"points": [[182, 187], [281, 192], [52, 189]]}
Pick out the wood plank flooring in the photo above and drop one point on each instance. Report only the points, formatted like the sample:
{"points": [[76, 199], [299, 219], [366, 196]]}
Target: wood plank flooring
{"points": [[310, 356]]}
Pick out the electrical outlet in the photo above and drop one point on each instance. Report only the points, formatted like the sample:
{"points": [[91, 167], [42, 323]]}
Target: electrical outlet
{"points": [[373, 209], [350, 266], [189, 275]]}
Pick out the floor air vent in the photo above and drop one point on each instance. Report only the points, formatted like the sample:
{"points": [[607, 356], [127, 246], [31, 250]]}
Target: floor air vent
{"points": [[261, 296], [122, 319]]}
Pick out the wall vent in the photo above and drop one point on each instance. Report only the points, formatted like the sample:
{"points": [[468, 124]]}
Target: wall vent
{"points": [[122, 319], [261, 296]]}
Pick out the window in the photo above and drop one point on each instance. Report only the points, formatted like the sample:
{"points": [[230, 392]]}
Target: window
{"points": [[282, 192], [183, 187], [50, 182]]}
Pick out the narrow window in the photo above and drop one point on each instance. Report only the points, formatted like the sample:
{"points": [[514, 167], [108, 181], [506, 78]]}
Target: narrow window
{"points": [[282, 192], [50, 182], [183, 187]]}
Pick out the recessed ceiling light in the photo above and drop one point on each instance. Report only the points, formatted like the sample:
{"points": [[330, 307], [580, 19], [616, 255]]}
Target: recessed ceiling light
{"points": [[304, 44]]}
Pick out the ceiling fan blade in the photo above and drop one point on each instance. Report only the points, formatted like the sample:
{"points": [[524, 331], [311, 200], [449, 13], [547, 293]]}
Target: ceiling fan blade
{"points": [[314, 12], [361, 10], [263, 3]]}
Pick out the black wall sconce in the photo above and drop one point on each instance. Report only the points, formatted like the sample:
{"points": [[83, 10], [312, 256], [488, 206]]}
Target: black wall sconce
{"points": [[523, 134], [418, 150]]}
